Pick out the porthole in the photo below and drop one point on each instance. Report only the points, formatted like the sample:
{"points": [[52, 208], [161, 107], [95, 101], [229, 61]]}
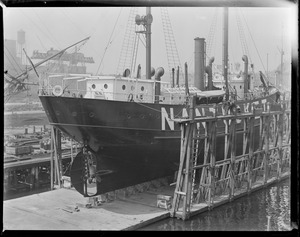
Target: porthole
{"points": [[240, 87], [180, 97], [142, 88], [105, 86], [74, 114], [91, 114], [93, 86], [132, 88], [172, 98], [123, 87]]}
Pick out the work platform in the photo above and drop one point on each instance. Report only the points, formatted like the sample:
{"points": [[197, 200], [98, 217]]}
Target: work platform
{"points": [[55, 210]]}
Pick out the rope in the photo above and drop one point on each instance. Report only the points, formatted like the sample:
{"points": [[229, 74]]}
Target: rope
{"points": [[109, 41], [48, 36], [253, 41], [41, 42], [12, 58]]}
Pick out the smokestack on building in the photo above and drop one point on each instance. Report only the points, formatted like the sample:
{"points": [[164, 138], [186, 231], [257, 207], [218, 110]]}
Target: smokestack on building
{"points": [[199, 63]]}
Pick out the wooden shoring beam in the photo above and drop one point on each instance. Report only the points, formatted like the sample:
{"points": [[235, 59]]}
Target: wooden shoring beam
{"points": [[188, 176], [56, 161], [195, 151], [52, 159], [185, 130], [232, 141], [280, 140], [212, 145], [59, 155], [251, 150], [203, 177], [287, 126], [72, 158], [242, 162], [226, 148], [266, 148], [258, 155]]}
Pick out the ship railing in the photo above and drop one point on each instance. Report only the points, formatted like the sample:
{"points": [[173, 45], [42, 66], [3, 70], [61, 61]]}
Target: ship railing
{"points": [[99, 94], [248, 96]]}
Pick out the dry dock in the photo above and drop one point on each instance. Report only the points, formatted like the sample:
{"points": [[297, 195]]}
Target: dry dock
{"points": [[54, 210]]}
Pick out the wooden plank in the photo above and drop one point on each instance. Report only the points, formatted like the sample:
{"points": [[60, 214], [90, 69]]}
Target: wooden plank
{"points": [[45, 212]]}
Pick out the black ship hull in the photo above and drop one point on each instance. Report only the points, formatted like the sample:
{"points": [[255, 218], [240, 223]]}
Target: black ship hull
{"points": [[132, 142]]}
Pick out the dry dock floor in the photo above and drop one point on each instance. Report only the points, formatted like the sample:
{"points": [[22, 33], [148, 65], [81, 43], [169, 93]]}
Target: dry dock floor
{"points": [[54, 210]]}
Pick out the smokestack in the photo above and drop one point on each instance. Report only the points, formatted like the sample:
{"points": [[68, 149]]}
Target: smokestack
{"points": [[186, 79], [159, 73], [246, 82], [138, 75], [173, 77], [177, 80], [208, 70], [199, 63]]}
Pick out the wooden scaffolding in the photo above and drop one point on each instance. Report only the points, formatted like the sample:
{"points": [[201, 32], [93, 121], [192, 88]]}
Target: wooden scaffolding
{"points": [[56, 165], [203, 181]]}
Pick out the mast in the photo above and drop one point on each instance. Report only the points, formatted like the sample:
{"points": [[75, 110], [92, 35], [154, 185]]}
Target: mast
{"points": [[281, 64], [146, 22], [148, 42], [225, 50]]}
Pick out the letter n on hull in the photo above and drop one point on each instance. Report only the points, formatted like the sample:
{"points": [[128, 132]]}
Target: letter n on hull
{"points": [[165, 118]]}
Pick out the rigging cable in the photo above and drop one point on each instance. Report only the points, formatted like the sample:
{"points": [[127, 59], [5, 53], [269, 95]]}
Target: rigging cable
{"points": [[211, 33], [12, 64], [134, 53], [242, 37], [109, 41], [41, 42], [48, 36], [12, 57], [253, 42], [46, 28]]}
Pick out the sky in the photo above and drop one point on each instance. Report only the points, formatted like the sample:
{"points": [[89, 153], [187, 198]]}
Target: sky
{"points": [[266, 30]]}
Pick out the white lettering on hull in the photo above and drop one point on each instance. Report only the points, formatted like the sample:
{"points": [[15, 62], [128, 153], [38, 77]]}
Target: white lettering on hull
{"points": [[165, 117]]}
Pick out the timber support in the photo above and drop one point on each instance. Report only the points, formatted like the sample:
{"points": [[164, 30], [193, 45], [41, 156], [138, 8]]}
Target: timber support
{"points": [[256, 146]]}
